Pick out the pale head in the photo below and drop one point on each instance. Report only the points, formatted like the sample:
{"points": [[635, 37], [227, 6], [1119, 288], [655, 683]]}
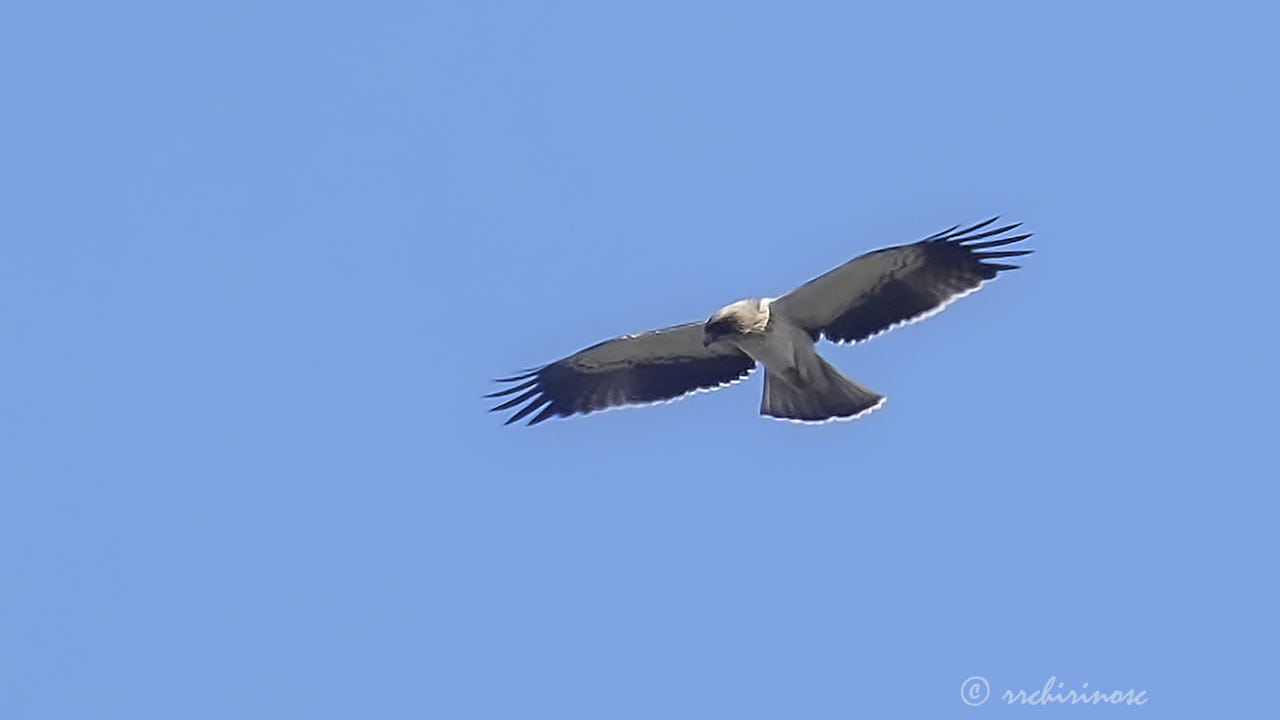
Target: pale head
{"points": [[735, 320]]}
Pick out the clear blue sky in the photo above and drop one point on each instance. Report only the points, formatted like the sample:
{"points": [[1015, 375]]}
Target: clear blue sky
{"points": [[259, 261]]}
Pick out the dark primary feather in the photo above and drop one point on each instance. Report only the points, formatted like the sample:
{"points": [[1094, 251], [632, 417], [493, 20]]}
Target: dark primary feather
{"points": [[629, 370], [881, 289]]}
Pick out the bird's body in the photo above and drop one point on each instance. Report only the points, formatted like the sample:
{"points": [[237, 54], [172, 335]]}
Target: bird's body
{"points": [[799, 384], [778, 345], [865, 296]]}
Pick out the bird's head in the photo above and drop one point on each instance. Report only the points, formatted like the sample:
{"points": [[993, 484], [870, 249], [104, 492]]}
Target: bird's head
{"points": [[715, 329], [728, 322]]}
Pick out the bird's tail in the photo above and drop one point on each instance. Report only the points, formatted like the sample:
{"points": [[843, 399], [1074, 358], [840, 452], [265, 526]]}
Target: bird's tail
{"points": [[826, 395]]}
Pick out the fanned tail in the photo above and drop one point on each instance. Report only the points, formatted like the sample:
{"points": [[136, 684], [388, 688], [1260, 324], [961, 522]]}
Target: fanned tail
{"points": [[828, 396]]}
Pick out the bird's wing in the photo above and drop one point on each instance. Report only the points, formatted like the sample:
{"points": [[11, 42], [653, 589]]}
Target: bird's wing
{"points": [[886, 288], [629, 370]]}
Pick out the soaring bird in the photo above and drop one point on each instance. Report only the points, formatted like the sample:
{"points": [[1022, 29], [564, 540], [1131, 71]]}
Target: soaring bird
{"points": [[866, 296]]}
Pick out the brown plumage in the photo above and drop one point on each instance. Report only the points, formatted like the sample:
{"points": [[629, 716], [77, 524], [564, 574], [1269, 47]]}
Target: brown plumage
{"points": [[868, 295]]}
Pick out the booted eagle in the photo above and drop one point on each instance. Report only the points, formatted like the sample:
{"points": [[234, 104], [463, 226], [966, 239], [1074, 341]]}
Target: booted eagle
{"points": [[868, 295]]}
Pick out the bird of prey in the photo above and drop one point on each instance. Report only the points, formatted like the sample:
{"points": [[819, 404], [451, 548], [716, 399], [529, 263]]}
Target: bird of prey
{"points": [[866, 296]]}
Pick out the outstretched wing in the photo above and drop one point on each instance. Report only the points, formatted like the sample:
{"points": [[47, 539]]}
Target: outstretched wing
{"points": [[885, 288], [629, 370]]}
